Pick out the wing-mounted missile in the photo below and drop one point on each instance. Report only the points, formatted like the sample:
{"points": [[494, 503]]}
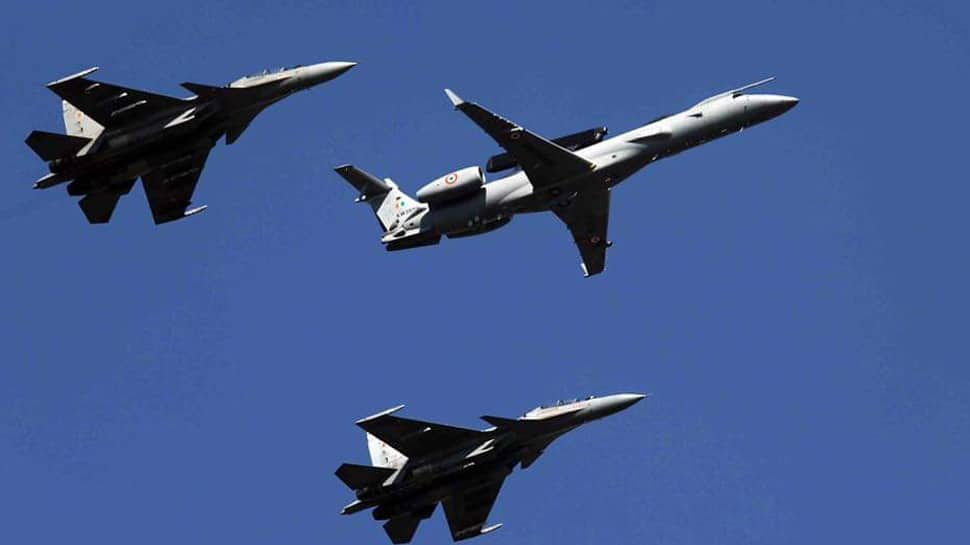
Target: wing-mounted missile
{"points": [[354, 507], [50, 180], [372, 417], [81, 74], [196, 210]]}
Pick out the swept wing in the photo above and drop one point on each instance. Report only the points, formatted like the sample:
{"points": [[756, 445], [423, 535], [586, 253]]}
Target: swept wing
{"points": [[415, 438], [546, 163], [108, 104], [98, 207], [467, 510], [169, 188], [587, 217]]}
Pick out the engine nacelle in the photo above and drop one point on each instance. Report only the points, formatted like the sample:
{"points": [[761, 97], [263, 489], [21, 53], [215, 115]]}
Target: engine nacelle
{"points": [[456, 185]]}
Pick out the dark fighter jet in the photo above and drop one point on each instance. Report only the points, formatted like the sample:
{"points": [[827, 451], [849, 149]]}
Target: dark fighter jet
{"points": [[115, 135], [418, 464]]}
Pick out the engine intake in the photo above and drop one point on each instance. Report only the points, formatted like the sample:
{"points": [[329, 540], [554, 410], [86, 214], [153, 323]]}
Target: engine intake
{"points": [[456, 185]]}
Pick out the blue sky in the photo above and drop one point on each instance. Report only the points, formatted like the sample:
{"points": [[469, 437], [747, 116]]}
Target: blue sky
{"points": [[794, 297]]}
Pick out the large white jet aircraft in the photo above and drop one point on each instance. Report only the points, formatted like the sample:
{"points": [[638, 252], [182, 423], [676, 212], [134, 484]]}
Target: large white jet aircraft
{"points": [[570, 176]]}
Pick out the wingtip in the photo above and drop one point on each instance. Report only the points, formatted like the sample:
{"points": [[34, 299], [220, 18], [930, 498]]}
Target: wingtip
{"points": [[80, 74], [380, 414], [196, 210], [456, 100]]}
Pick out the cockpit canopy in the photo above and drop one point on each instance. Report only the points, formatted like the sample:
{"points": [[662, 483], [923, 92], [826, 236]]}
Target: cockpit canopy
{"points": [[558, 403], [733, 93], [262, 77]]}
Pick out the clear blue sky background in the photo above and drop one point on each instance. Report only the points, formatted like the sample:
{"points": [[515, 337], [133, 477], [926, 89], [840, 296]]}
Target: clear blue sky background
{"points": [[794, 297]]}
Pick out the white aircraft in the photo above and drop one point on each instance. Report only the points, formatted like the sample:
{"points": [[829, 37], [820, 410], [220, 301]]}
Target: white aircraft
{"points": [[570, 176]]}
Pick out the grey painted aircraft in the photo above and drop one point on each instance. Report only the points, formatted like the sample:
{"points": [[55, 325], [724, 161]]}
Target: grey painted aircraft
{"points": [[571, 176], [418, 464], [116, 134]]}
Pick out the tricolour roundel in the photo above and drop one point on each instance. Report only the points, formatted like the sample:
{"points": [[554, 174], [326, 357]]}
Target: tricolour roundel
{"points": [[454, 185]]}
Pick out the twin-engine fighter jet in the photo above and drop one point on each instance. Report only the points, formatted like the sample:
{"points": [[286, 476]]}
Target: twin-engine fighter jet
{"points": [[571, 176], [115, 135], [418, 464]]}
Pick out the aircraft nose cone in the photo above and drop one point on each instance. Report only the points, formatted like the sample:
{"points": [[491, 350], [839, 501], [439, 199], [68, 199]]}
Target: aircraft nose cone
{"points": [[325, 71], [786, 103], [764, 107], [625, 401], [339, 67], [615, 403]]}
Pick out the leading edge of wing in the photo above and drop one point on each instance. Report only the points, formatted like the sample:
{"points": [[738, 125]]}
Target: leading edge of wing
{"points": [[545, 163]]}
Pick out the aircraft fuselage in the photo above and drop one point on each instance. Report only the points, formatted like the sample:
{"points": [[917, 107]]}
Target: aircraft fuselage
{"points": [[616, 159]]}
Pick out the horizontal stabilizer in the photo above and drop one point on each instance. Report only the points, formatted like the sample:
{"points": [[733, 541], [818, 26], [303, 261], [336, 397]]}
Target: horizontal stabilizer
{"points": [[49, 146], [98, 207], [401, 529], [367, 184], [357, 476]]}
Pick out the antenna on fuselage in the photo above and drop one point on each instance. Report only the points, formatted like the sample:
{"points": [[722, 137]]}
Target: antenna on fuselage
{"points": [[740, 90]]}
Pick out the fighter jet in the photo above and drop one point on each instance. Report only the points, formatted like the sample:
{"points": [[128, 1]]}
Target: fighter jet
{"points": [[116, 134], [570, 176], [418, 464]]}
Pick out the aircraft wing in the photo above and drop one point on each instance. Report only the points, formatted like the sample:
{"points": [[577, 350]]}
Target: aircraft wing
{"points": [[587, 218], [414, 438], [169, 188], [546, 163], [468, 508], [110, 105]]}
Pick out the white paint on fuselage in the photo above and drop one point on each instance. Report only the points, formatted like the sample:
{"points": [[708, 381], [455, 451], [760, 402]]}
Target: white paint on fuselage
{"points": [[620, 157]]}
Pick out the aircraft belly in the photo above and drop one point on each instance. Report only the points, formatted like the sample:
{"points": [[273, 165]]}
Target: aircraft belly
{"points": [[133, 161]]}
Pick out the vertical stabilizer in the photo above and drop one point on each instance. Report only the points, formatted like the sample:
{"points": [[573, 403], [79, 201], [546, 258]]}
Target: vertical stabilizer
{"points": [[391, 205], [384, 455], [78, 124], [394, 208]]}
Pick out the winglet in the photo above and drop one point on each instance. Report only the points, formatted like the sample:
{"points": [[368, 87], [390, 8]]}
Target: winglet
{"points": [[378, 415], [80, 74], [456, 100]]}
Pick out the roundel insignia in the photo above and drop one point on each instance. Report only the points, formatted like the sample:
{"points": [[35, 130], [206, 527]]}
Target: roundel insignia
{"points": [[595, 239], [515, 135], [451, 178]]}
